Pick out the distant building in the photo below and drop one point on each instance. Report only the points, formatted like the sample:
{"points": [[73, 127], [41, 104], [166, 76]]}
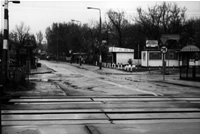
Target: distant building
{"points": [[121, 55], [152, 55], [153, 58]]}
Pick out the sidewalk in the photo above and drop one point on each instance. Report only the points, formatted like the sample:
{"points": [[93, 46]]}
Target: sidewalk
{"points": [[41, 70]]}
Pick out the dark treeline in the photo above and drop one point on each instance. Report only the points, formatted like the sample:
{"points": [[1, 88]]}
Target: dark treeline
{"points": [[118, 31]]}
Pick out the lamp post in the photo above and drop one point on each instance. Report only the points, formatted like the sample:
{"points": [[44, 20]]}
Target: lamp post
{"points": [[100, 39], [80, 55], [5, 62], [76, 21]]}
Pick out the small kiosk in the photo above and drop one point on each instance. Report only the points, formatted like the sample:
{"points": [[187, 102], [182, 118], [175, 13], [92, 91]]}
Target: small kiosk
{"points": [[121, 55]]}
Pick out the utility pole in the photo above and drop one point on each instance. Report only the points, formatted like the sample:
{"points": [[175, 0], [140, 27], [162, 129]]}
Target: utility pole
{"points": [[5, 61], [138, 54], [5, 44]]}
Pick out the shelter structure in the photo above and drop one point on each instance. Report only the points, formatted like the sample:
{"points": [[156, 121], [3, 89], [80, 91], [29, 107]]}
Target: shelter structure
{"points": [[190, 63]]}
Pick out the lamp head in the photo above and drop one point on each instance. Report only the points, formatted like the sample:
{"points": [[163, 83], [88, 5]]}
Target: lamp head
{"points": [[89, 7], [15, 1]]}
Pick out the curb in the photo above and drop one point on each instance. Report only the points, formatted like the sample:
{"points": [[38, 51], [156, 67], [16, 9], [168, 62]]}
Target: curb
{"points": [[180, 84]]}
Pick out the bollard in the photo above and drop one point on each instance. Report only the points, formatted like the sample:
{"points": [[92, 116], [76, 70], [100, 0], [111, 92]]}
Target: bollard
{"points": [[125, 67], [129, 67], [134, 66], [112, 65]]}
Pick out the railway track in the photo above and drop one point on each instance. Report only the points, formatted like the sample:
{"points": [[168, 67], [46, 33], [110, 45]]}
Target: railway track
{"points": [[101, 115]]}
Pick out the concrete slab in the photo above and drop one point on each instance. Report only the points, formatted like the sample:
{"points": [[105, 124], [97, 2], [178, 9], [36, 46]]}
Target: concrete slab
{"points": [[160, 104], [146, 99], [147, 110], [155, 121], [131, 110], [58, 103], [52, 129], [182, 115], [105, 105], [89, 96], [51, 100], [30, 117], [60, 111], [53, 122], [160, 128]]}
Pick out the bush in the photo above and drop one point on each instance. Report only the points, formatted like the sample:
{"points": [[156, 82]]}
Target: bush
{"points": [[130, 61]]}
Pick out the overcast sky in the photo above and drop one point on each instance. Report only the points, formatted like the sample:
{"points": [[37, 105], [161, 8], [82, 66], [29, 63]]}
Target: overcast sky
{"points": [[39, 14]]}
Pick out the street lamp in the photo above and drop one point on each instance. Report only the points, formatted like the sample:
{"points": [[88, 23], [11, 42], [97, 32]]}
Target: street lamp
{"points": [[80, 57], [15, 1], [5, 63], [100, 59], [76, 21]]}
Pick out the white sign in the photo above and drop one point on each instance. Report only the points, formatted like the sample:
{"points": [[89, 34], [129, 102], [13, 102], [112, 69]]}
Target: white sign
{"points": [[117, 49], [104, 41], [151, 43]]}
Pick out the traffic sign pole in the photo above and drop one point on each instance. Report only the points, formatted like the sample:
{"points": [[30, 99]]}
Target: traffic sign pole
{"points": [[163, 50], [164, 65]]}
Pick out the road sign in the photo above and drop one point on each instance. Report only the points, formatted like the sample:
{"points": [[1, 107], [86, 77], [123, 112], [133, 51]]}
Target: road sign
{"points": [[164, 40], [104, 41], [151, 43], [163, 49]]}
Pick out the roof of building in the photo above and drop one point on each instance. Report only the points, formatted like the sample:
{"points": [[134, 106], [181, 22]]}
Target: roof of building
{"points": [[190, 48], [118, 49]]}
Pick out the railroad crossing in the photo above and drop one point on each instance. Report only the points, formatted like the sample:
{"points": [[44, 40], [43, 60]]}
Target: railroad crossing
{"points": [[101, 115]]}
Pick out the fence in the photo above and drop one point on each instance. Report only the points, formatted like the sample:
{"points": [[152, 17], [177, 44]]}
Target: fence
{"points": [[17, 75]]}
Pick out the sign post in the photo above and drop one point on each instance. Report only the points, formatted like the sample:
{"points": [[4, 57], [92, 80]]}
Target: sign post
{"points": [[164, 50]]}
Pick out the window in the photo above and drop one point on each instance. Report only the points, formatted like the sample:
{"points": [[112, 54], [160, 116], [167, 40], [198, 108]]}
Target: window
{"points": [[171, 55], [155, 55]]}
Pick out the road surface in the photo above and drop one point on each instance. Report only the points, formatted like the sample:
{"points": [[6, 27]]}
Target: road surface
{"points": [[84, 100]]}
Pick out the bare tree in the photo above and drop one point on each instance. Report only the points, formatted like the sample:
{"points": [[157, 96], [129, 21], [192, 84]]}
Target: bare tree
{"points": [[118, 23], [40, 37], [164, 18], [22, 33]]}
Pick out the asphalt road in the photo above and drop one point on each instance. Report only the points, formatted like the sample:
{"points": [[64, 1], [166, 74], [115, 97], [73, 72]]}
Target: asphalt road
{"points": [[89, 80], [77, 99]]}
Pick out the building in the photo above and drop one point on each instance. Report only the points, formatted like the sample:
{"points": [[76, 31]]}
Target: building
{"points": [[153, 55], [153, 58], [121, 55]]}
